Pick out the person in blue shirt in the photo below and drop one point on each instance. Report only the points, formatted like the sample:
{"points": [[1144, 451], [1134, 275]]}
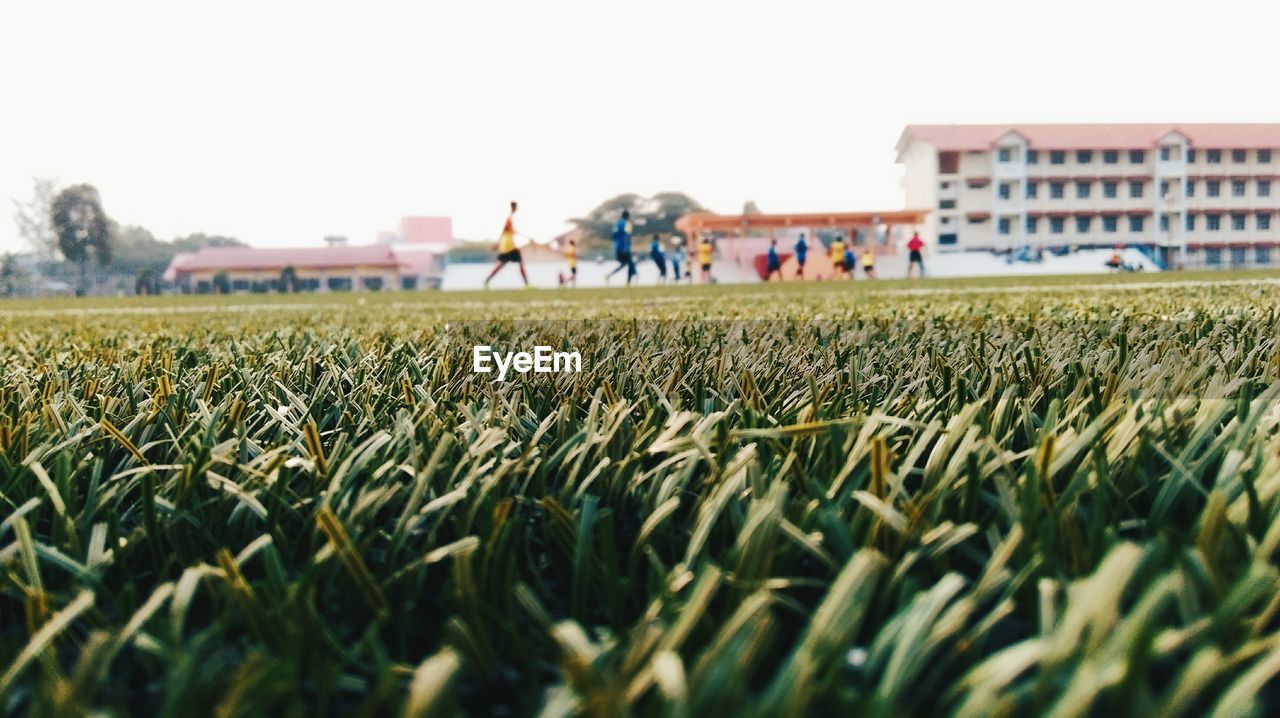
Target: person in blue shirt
{"points": [[622, 247], [659, 258], [774, 263], [678, 256], [848, 260], [802, 250]]}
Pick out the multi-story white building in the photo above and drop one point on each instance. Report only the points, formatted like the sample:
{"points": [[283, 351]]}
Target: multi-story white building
{"points": [[1198, 195]]}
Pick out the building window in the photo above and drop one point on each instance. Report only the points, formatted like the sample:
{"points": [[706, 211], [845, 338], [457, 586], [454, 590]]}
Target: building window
{"points": [[1213, 222], [1137, 157], [1213, 157], [1237, 256], [1164, 223], [1191, 223], [1084, 157], [1005, 154], [1005, 190], [1004, 225], [1264, 157], [1237, 188], [1213, 256], [1164, 154], [1239, 156], [1135, 223], [1110, 157], [1057, 189], [1237, 222], [950, 238], [1164, 188], [948, 163], [1135, 190], [1033, 157], [1213, 188], [1082, 190], [1031, 224], [1191, 188], [1262, 255], [1264, 188], [1056, 224], [1032, 188], [1082, 224], [1264, 222], [1191, 155], [947, 204], [1110, 189], [1110, 224], [1057, 157]]}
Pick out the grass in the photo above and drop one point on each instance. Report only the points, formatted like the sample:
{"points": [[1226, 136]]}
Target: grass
{"points": [[881, 499]]}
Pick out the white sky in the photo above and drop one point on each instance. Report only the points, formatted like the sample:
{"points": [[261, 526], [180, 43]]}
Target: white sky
{"points": [[280, 122]]}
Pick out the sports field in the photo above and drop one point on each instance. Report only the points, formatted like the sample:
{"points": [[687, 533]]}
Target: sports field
{"points": [[972, 497]]}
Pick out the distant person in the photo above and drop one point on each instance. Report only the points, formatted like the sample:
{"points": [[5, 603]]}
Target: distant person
{"points": [[659, 258], [802, 253], [679, 257], [837, 256], [571, 259], [848, 261], [868, 263], [704, 258], [622, 248], [507, 251], [773, 265], [915, 260]]}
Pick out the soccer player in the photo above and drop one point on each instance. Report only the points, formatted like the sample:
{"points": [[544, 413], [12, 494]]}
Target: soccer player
{"points": [[774, 264], [802, 252], [837, 256], [679, 257], [622, 247], [571, 258], [704, 258], [848, 261], [659, 258], [507, 251], [916, 259], [868, 263]]}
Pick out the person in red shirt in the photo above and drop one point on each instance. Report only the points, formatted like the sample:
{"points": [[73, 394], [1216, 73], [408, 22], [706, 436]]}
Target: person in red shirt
{"points": [[916, 259]]}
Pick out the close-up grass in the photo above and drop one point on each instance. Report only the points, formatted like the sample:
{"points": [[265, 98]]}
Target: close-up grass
{"points": [[1046, 497]]}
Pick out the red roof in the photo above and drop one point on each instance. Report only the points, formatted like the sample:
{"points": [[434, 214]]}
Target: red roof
{"points": [[955, 138], [245, 258]]}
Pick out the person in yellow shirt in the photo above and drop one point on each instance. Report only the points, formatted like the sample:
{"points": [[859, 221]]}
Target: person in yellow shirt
{"points": [[704, 258], [571, 258], [837, 256], [507, 250], [869, 263]]}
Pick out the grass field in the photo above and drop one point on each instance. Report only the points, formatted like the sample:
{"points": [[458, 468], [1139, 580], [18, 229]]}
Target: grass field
{"points": [[1017, 497]]}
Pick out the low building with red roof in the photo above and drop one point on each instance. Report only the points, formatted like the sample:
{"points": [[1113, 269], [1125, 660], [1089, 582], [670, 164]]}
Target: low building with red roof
{"points": [[1196, 194]]}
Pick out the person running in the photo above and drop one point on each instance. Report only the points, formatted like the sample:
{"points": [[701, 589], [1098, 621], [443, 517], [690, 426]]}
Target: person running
{"points": [[507, 251], [679, 257], [915, 260], [802, 252], [773, 264], [704, 259], [868, 263], [837, 256], [659, 258], [571, 258], [622, 247], [848, 261]]}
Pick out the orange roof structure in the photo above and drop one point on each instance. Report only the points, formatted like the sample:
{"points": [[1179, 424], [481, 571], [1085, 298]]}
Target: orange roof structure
{"points": [[962, 138]]}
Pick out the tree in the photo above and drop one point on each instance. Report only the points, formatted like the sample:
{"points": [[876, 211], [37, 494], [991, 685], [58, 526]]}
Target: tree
{"points": [[649, 215], [32, 219], [12, 276], [289, 279], [145, 283], [82, 228], [222, 283]]}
